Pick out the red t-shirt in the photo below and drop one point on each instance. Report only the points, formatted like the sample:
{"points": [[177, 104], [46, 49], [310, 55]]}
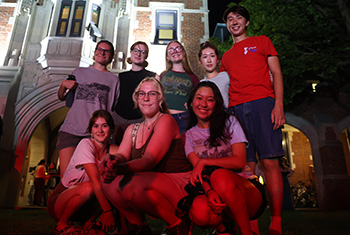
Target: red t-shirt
{"points": [[246, 64]]}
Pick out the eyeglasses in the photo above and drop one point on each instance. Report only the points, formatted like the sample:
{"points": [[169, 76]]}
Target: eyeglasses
{"points": [[136, 51], [153, 95], [100, 50], [177, 49]]}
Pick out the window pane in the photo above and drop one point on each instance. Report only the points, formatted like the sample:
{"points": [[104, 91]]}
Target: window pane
{"points": [[63, 27], [76, 28], [79, 13], [94, 17], [65, 12], [165, 34], [166, 19]]}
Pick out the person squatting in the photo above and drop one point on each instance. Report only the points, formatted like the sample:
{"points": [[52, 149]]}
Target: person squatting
{"points": [[185, 157]]}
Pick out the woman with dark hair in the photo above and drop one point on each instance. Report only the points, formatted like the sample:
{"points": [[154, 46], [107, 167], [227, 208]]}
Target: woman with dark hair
{"points": [[178, 81], [95, 88], [80, 182], [125, 113], [216, 147], [148, 173], [209, 58]]}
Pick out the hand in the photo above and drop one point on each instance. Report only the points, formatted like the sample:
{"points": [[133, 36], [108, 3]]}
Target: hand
{"points": [[107, 220], [196, 175], [108, 168], [214, 202], [69, 84], [277, 117]]}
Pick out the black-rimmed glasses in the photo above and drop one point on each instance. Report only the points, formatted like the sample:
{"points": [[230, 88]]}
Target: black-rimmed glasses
{"points": [[152, 95]]}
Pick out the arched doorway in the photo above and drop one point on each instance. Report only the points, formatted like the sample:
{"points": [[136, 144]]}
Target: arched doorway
{"points": [[299, 155], [41, 145]]}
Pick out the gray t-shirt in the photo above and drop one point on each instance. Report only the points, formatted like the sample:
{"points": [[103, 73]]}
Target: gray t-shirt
{"points": [[96, 90], [222, 81]]}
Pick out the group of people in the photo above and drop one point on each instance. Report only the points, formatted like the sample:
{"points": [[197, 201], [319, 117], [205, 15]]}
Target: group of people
{"points": [[175, 139]]}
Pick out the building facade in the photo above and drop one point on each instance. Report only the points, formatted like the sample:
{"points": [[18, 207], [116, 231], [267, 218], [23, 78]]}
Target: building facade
{"points": [[42, 41]]}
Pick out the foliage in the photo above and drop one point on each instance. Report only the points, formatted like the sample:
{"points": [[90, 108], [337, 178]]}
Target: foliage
{"points": [[304, 195], [312, 38]]}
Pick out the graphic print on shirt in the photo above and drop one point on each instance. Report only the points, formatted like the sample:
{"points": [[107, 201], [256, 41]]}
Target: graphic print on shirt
{"points": [[249, 49], [92, 91], [202, 149], [176, 85]]}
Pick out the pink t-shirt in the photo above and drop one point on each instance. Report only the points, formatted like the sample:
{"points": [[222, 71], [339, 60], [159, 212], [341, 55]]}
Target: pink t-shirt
{"points": [[246, 64]]}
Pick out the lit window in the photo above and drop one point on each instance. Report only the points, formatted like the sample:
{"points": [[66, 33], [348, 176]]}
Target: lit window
{"points": [[78, 17], [166, 26], [64, 17]]}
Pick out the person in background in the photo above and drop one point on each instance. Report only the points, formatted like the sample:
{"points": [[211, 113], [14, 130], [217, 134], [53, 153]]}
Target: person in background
{"points": [[125, 112], [39, 182], [286, 173], [216, 146], [80, 185], [256, 97], [95, 88], [178, 81], [148, 173], [209, 58]]}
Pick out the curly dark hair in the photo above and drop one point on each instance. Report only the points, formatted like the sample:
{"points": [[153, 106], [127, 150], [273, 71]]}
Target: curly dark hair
{"points": [[218, 120]]}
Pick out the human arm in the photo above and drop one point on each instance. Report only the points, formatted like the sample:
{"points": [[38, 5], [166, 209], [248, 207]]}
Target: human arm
{"points": [[277, 113], [107, 216], [65, 84], [236, 161], [165, 131]]}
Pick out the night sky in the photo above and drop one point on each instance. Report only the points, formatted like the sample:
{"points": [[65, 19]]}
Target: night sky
{"points": [[216, 10]]}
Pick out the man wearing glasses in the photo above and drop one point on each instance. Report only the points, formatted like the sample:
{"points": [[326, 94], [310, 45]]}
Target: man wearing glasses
{"points": [[95, 88]]}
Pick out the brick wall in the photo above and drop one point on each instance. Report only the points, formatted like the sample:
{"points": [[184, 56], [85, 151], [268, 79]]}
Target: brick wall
{"points": [[189, 4], [143, 32], [5, 27], [192, 29], [301, 149]]}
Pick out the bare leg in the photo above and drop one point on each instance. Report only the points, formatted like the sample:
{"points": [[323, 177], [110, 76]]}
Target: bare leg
{"points": [[274, 183], [65, 156], [70, 201], [242, 198]]}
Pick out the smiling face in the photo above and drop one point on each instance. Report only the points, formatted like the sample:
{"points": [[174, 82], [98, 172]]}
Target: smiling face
{"points": [[103, 54], [139, 54], [209, 59], [175, 53], [236, 24], [203, 105], [148, 99], [100, 130]]}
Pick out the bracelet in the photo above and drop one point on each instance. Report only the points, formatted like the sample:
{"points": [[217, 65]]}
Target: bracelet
{"points": [[107, 211], [206, 193]]}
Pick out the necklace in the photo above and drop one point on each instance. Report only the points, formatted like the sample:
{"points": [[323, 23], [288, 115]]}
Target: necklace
{"points": [[153, 123]]}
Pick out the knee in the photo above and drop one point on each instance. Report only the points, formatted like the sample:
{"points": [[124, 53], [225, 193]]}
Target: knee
{"points": [[201, 214], [223, 181]]}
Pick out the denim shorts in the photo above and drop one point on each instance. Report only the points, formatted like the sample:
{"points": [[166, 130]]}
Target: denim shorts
{"points": [[181, 120], [255, 118]]}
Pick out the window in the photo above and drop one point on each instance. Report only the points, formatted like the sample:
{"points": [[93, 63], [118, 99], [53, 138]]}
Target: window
{"points": [[65, 15], [64, 18], [78, 18], [93, 26], [166, 26]]}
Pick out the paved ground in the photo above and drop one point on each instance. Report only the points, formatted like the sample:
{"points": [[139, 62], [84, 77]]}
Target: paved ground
{"points": [[299, 222]]}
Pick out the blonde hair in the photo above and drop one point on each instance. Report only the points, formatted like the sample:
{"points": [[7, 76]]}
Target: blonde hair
{"points": [[163, 106]]}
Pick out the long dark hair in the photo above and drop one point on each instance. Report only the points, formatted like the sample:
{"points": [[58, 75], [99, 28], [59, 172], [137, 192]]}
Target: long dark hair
{"points": [[218, 121]]}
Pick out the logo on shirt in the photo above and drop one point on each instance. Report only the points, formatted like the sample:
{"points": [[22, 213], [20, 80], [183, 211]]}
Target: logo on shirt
{"points": [[249, 49], [93, 91]]}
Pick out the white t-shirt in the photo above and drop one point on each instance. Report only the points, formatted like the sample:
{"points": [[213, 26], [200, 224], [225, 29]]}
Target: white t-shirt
{"points": [[75, 172], [196, 141]]}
